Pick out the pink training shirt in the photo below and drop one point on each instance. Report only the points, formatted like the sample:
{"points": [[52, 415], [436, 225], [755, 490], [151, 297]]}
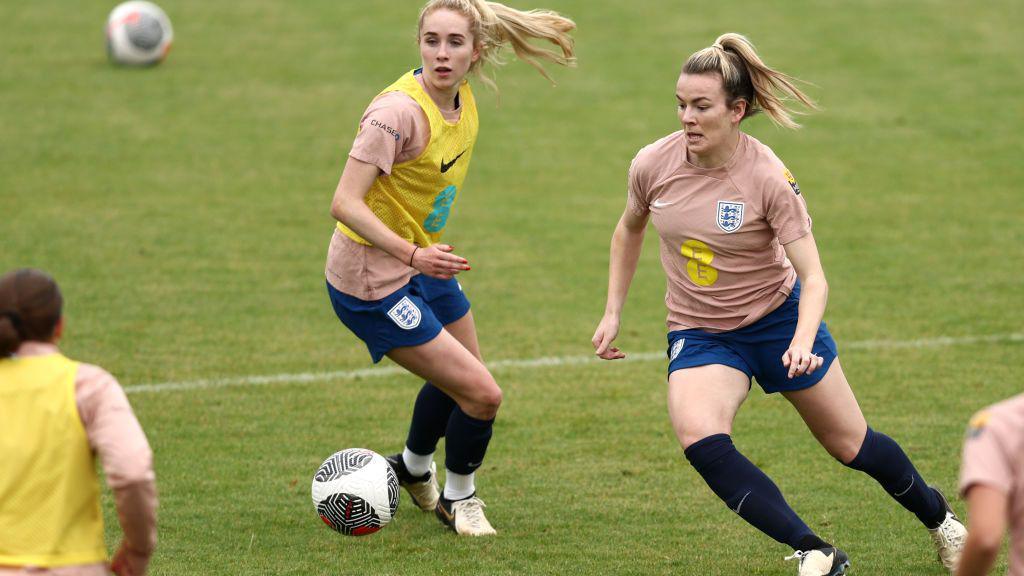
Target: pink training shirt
{"points": [[367, 272], [115, 434], [721, 229], [994, 456]]}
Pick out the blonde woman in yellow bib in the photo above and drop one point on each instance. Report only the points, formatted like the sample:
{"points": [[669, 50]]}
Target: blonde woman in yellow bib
{"points": [[55, 414], [391, 281]]}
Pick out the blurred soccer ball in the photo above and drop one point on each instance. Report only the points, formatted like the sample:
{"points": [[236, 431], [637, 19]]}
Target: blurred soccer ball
{"points": [[355, 491], [138, 34]]}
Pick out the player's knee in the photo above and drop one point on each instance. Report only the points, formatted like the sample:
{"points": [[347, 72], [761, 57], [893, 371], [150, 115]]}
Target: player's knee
{"points": [[844, 450], [492, 400], [690, 436], [692, 431], [485, 401]]}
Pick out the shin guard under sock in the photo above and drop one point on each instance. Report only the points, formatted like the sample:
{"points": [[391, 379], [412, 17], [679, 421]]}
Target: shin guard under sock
{"points": [[466, 440], [430, 417], [746, 490], [882, 458]]}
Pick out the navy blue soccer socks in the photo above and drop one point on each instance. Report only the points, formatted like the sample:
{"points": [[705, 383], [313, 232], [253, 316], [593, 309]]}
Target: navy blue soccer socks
{"points": [[882, 458], [430, 417], [436, 415], [746, 490], [466, 442]]}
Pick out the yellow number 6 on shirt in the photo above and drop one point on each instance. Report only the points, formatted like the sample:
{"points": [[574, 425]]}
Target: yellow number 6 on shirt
{"points": [[699, 265]]}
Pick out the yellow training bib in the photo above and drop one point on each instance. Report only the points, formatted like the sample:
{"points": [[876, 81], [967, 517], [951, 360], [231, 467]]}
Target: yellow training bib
{"points": [[417, 198], [49, 492]]}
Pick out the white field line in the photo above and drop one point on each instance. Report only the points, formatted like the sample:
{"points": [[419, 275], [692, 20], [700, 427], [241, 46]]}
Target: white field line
{"points": [[498, 365]]}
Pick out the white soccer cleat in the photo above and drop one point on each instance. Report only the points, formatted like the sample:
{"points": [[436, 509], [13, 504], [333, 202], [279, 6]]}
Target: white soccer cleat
{"points": [[949, 537], [423, 490], [829, 561], [466, 517]]}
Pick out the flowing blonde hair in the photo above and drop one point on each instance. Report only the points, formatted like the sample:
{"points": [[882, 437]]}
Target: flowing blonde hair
{"points": [[494, 25], [745, 75]]}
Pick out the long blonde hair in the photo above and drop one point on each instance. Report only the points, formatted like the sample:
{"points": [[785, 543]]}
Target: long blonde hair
{"points": [[494, 25], [745, 75]]}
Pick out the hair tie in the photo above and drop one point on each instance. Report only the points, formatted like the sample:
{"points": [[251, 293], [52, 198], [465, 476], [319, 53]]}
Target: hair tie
{"points": [[719, 46]]}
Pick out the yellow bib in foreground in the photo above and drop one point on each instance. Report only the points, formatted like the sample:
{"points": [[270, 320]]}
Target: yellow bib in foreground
{"points": [[417, 198], [49, 492]]}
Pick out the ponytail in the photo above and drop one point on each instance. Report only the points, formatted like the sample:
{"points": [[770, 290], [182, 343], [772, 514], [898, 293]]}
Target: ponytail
{"points": [[494, 25], [30, 309], [745, 76], [10, 332]]}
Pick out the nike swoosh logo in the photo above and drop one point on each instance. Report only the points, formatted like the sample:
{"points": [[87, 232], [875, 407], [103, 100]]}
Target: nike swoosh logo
{"points": [[660, 204], [446, 165], [740, 505], [449, 517], [908, 488]]}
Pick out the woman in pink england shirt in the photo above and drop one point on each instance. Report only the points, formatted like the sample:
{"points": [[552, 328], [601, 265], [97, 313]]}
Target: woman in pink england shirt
{"points": [[746, 295], [992, 482], [55, 414]]}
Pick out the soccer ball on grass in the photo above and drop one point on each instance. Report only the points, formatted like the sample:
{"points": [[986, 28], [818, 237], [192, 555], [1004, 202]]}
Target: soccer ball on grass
{"points": [[355, 492], [138, 34]]}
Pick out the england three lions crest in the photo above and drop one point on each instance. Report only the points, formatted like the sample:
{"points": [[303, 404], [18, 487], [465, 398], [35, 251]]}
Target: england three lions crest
{"points": [[730, 216], [405, 314]]}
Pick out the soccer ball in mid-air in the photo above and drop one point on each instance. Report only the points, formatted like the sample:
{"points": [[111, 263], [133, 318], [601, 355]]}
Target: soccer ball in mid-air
{"points": [[355, 491], [138, 34]]}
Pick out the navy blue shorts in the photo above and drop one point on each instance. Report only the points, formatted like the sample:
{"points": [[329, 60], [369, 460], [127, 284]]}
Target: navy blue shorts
{"points": [[412, 315], [756, 350]]}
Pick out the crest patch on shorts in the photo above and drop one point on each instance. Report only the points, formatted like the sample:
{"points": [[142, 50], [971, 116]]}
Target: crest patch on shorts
{"points": [[405, 314], [677, 347], [730, 216]]}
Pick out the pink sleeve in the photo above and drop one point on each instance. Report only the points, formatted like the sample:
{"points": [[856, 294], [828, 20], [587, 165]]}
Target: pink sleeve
{"points": [[638, 192], [115, 434], [388, 130], [785, 208], [988, 452]]}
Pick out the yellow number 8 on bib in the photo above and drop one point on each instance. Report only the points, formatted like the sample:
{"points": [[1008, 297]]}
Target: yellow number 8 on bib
{"points": [[699, 258]]}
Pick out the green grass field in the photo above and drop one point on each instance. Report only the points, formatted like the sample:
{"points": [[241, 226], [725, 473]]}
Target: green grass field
{"points": [[184, 210]]}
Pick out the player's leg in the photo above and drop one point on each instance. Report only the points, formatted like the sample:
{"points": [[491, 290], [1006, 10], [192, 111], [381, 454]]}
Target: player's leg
{"points": [[464, 330], [702, 404], [831, 412], [460, 468], [459, 494], [431, 414], [451, 367], [433, 407], [415, 465]]}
